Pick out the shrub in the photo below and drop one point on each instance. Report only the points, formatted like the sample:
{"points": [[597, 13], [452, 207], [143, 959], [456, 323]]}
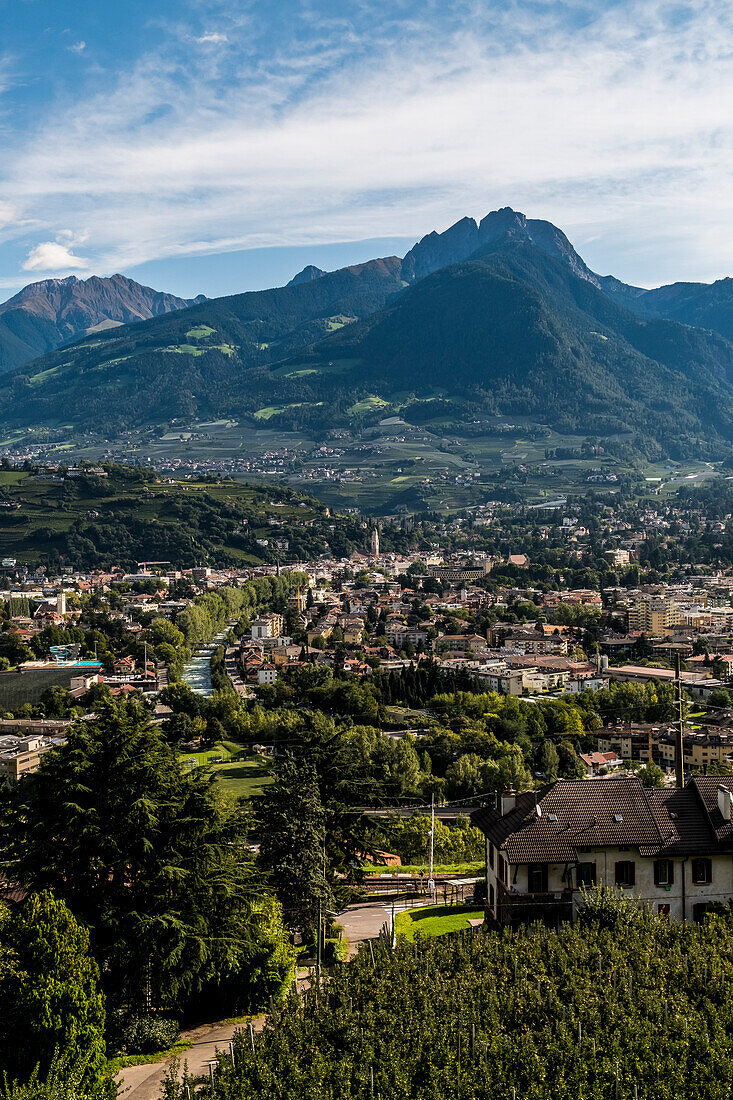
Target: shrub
{"points": [[147, 1034]]}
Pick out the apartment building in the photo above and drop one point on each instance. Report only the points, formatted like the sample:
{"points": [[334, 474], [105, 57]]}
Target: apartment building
{"points": [[653, 614]]}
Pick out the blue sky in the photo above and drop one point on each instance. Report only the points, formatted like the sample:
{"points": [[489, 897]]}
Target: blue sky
{"points": [[210, 146]]}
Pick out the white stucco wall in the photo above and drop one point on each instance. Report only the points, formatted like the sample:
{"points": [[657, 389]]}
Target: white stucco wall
{"points": [[644, 889]]}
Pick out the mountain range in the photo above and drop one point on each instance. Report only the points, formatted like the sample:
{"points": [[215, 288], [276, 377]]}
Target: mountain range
{"points": [[47, 314], [494, 318]]}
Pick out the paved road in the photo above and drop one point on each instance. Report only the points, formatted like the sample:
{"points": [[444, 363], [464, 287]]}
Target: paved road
{"points": [[363, 922], [360, 923]]}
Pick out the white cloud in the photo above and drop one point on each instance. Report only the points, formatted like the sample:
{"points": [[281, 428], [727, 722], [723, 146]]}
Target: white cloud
{"points": [[8, 214], [52, 256], [78, 47], [212, 38], [620, 130]]}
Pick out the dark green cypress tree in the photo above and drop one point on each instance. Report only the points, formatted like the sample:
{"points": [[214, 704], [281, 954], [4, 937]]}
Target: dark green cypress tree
{"points": [[292, 846]]}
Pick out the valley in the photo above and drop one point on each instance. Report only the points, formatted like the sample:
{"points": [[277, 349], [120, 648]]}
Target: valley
{"points": [[390, 468]]}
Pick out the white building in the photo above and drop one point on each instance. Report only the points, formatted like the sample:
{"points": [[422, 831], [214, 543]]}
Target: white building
{"points": [[668, 849]]}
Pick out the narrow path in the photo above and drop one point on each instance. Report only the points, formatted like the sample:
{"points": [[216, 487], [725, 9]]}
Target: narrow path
{"points": [[144, 1082], [360, 923]]}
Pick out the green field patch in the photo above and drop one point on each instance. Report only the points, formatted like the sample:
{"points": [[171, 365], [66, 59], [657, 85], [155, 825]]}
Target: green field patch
{"points": [[189, 349], [337, 322], [475, 868], [436, 920], [43, 376], [367, 405], [200, 332], [182, 349], [111, 362], [275, 410], [295, 370], [242, 774]]}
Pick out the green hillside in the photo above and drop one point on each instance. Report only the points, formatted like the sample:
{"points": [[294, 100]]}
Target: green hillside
{"points": [[201, 361], [133, 516], [513, 331]]}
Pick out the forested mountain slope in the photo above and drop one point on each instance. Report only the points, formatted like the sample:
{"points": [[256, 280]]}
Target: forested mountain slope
{"points": [[498, 318]]}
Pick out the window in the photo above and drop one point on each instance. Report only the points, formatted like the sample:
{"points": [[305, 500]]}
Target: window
{"points": [[702, 871], [585, 874], [663, 872], [663, 909], [625, 873], [699, 911], [491, 855], [537, 878]]}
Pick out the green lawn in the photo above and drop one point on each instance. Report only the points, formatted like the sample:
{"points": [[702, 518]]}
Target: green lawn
{"points": [[244, 778], [472, 869], [435, 920]]}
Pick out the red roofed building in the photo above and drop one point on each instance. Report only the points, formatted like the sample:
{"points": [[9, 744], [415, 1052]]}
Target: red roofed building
{"points": [[594, 761]]}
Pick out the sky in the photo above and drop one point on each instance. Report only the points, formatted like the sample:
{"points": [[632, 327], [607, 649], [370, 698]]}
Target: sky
{"points": [[214, 146]]}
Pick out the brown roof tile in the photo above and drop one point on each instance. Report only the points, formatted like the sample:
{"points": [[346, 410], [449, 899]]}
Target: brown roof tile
{"points": [[574, 816]]}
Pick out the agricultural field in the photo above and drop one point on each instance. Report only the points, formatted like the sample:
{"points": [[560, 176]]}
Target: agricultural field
{"points": [[604, 1010], [389, 465], [138, 518]]}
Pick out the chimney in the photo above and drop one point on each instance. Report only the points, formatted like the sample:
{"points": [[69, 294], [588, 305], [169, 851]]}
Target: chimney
{"points": [[724, 802], [509, 801]]}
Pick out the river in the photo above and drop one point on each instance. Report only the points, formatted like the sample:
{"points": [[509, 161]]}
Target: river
{"points": [[197, 673]]}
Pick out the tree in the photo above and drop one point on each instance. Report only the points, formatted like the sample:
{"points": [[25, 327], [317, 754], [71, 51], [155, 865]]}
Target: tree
{"points": [[292, 847], [548, 761], [513, 772], [151, 859], [49, 997], [56, 702], [571, 766], [651, 775]]}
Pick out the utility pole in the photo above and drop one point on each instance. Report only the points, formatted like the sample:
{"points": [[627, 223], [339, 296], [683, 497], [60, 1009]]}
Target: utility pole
{"points": [[431, 884], [679, 765]]}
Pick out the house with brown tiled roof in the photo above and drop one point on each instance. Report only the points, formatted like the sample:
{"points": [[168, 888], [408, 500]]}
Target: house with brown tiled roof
{"points": [[671, 850]]}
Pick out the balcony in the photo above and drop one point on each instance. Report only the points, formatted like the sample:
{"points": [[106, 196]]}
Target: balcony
{"points": [[550, 907]]}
